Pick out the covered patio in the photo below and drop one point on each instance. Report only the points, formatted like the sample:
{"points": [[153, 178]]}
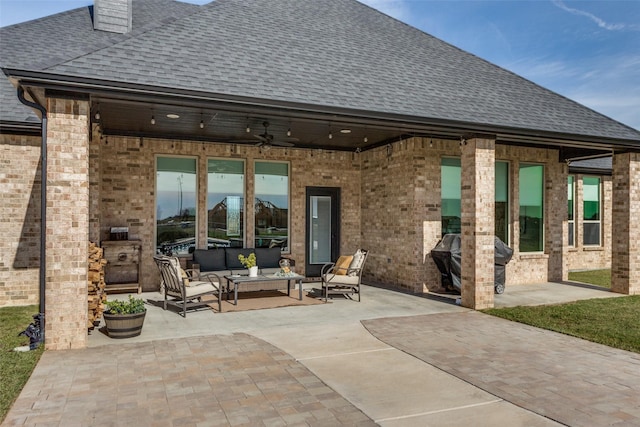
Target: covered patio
{"points": [[267, 137]]}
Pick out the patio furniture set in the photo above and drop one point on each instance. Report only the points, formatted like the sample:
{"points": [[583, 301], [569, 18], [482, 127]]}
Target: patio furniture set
{"points": [[219, 272]]}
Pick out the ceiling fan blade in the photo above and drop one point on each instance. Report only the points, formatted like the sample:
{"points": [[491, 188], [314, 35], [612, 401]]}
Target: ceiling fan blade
{"points": [[282, 143]]}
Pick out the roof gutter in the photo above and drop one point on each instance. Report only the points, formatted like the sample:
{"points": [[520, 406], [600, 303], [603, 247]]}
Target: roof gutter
{"points": [[43, 208]]}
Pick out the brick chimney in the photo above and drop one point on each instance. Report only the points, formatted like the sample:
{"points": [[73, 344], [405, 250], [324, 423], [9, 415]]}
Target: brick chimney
{"points": [[114, 16]]}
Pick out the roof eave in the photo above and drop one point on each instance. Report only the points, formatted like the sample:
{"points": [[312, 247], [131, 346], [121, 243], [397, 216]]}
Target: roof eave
{"points": [[405, 123]]}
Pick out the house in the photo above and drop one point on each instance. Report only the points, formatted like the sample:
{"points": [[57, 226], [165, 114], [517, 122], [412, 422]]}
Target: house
{"points": [[318, 127]]}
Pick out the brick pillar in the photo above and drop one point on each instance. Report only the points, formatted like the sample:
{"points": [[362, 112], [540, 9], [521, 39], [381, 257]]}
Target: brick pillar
{"points": [[478, 222], [557, 225], [625, 244], [67, 224]]}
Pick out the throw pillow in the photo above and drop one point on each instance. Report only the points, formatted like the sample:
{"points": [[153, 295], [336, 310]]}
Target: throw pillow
{"points": [[185, 277], [342, 265], [356, 263]]}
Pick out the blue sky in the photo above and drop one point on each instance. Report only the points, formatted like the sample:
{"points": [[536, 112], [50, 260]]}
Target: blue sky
{"points": [[588, 51]]}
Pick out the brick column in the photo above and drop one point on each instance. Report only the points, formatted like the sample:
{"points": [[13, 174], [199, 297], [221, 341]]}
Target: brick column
{"points": [[557, 225], [625, 243], [478, 222], [67, 224]]}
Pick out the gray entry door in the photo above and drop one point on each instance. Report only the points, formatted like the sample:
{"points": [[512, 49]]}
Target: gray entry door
{"points": [[323, 228]]}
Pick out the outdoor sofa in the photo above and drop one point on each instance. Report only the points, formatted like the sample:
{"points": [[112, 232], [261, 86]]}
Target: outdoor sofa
{"points": [[224, 261]]}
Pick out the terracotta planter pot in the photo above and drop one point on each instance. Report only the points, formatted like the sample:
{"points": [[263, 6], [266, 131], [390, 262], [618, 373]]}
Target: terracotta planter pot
{"points": [[124, 325]]}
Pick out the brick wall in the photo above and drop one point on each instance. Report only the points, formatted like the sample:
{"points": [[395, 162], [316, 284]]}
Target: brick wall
{"points": [[478, 224], [401, 212], [127, 189], [625, 245], [19, 219], [394, 192], [67, 223]]}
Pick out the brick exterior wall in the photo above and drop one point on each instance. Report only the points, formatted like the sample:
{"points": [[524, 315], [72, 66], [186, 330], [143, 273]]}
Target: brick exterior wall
{"points": [[19, 219], [390, 200], [67, 224], [625, 250], [478, 224], [126, 166]]}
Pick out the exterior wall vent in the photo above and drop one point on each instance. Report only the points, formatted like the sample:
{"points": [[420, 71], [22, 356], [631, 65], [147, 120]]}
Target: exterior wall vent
{"points": [[114, 16]]}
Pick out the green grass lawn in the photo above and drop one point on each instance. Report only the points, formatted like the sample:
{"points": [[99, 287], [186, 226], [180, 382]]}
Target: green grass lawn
{"points": [[609, 321], [15, 367], [594, 277]]}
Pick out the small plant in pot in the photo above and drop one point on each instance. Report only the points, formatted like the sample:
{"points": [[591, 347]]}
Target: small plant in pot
{"points": [[250, 263], [124, 319]]}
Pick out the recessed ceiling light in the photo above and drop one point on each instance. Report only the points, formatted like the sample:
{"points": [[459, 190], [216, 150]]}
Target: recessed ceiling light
{"points": [[345, 130], [173, 116]]}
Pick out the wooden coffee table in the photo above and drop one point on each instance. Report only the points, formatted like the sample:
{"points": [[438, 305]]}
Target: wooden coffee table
{"points": [[234, 280]]}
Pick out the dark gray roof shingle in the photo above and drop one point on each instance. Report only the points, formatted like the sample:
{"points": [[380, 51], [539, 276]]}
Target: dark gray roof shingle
{"points": [[334, 53], [43, 43]]}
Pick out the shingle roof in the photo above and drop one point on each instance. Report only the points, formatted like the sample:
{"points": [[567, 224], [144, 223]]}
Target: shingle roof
{"points": [[43, 43], [332, 53], [603, 165]]}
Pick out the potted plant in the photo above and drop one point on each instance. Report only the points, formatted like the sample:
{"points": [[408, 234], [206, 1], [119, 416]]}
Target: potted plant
{"points": [[124, 319], [250, 263]]}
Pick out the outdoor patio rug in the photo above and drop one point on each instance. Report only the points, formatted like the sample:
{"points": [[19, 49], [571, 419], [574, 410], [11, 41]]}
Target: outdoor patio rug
{"points": [[569, 380], [259, 300]]}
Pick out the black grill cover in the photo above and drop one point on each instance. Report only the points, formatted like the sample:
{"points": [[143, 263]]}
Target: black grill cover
{"points": [[447, 256]]}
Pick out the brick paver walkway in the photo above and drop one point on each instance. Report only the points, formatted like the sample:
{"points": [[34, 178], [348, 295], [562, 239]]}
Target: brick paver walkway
{"points": [[569, 380], [230, 380]]}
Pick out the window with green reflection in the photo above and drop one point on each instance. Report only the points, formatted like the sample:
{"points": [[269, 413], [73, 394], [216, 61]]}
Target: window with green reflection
{"points": [[450, 195], [176, 203], [272, 205], [531, 186], [502, 201], [591, 210], [225, 202]]}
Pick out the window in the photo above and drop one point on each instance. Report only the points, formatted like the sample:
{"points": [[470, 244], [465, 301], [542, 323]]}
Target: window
{"points": [[571, 207], [176, 190], [531, 185], [272, 205], [591, 210], [225, 201], [450, 195], [502, 201]]}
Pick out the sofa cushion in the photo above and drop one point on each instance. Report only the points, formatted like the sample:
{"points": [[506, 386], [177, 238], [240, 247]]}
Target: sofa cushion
{"points": [[268, 257], [233, 263], [210, 259]]}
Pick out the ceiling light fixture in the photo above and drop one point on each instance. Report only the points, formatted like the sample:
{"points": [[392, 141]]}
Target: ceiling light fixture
{"points": [[289, 132], [201, 124], [330, 135], [153, 119], [366, 139], [173, 116], [345, 130], [97, 116]]}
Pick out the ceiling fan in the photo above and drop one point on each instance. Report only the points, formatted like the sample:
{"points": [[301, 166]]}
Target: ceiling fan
{"points": [[266, 139]]}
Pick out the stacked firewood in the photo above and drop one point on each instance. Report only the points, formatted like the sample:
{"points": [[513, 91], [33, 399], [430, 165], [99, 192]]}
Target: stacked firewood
{"points": [[96, 284]]}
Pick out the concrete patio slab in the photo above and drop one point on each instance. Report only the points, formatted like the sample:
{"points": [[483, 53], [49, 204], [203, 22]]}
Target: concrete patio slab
{"points": [[338, 371]]}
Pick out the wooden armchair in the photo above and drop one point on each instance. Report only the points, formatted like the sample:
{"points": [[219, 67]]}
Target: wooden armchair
{"points": [[184, 292], [344, 276]]}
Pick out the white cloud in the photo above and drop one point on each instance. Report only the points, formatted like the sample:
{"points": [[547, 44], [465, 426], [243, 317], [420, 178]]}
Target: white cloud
{"points": [[600, 22]]}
